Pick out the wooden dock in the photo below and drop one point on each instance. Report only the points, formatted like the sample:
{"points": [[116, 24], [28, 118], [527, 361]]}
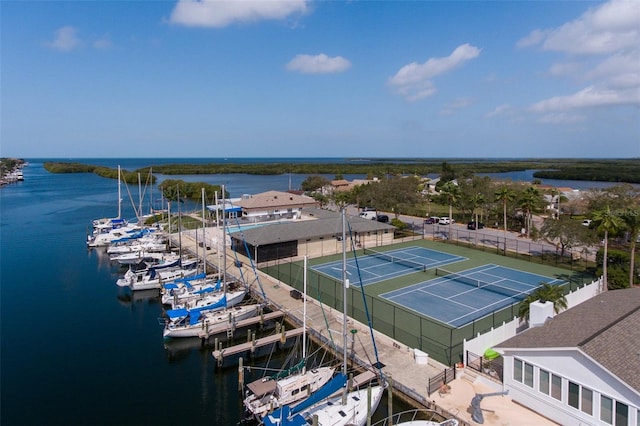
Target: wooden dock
{"points": [[231, 327], [281, 337]]}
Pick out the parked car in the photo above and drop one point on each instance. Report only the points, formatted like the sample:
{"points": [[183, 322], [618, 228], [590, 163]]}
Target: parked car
{"points": [[586, 222], [472, 225], [383, 218], [368, 215], [444, 220], [432, 220]]}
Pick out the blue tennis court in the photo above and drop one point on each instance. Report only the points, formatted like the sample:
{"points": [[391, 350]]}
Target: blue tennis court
{"points": [[374, 266], [457, 299]]}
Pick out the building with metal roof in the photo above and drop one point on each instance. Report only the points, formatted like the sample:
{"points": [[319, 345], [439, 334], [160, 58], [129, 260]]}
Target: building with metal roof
{"points": [[315, 233]]}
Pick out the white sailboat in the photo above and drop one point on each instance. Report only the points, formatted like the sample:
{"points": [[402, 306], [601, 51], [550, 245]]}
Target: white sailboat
{"points": [[333, 404], [267, 394], [198, 323], [154, 277], [210, 309]]}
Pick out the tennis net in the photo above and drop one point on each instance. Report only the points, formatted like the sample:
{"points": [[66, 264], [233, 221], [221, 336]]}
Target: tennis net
{"points": [[505, 291], [396, 259]]}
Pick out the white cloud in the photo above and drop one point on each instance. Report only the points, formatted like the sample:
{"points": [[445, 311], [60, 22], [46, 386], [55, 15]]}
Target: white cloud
{"points": [[456, 105], [65, 40], [103, 43], [605, 29], [616, 65], [413, 81], [565, 69], [220, 13], [504, 109], [562, 118], [589, 97], [318, 64], [603, 50]]}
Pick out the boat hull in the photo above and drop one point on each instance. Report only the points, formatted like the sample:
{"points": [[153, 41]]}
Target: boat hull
{"points": [[212, 323]]}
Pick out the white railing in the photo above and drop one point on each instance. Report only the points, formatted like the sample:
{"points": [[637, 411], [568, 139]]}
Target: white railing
{"points": [[482, 342]]}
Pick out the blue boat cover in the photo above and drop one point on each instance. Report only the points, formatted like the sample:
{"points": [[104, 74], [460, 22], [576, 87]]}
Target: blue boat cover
{"points": [[289, 416], [177, 313], [199, 276], [171, 286], [194, 313]]}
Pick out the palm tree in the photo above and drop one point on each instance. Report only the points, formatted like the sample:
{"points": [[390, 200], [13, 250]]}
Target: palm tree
{"points": [[504, 194], [476, 201], [530, 200], [452, 192], [544, 293], [631, 218], [608, 222]]}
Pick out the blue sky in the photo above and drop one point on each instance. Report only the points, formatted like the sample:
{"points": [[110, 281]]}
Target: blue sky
{"points": [[320, 79]]}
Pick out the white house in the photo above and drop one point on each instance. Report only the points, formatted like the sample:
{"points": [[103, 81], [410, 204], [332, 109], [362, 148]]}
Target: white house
{"points": [[581, 367]]}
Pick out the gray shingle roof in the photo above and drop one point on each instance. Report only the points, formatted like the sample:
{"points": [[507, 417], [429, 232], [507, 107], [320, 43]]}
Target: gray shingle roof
{"points": [[605, 327], [327, 224]]}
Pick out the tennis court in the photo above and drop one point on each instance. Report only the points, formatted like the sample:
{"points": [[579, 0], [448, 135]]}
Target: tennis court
{"points": [[459, 298], [373, 266]]}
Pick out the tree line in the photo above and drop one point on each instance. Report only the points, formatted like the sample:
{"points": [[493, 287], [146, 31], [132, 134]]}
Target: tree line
{"points": [[614, 212]]}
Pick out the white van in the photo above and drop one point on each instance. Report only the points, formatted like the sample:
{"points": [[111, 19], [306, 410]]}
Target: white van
{"points": [[369, 215]]}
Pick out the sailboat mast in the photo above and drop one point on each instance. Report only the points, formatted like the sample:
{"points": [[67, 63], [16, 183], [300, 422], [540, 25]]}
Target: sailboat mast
{"points": [[304, 314], [119, 194], [139, 213], [345, 281], [204, 238], [224, 242]]}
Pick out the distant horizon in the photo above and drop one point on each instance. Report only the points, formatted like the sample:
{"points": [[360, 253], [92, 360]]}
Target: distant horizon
{"points": [[356, 158], [311, 78]]}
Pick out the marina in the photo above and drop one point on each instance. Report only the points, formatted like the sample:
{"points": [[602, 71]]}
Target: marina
{"points": [[410, 375], [111, 336]]}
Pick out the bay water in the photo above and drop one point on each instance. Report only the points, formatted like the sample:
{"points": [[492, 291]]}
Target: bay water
{"points": [[76, 349]]}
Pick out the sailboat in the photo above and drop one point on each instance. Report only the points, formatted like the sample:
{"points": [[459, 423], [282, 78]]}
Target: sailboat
{"points": [[197, 322], [108, 229], [208, 310], [267, 394], [333, 404]]}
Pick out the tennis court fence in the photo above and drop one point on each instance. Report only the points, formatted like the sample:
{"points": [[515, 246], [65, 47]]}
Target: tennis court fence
{"points": [[442, 342]]}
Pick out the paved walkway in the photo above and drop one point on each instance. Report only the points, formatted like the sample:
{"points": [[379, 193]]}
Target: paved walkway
{"points": [[410, 375]]}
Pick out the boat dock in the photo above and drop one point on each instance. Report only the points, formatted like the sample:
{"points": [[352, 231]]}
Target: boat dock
{"points": [[409, 369], [252, 344], [325, 326], [232, 326]]}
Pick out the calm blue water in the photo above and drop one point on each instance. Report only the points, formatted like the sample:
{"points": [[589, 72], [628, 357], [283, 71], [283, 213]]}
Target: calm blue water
{"points": [[76, 350]]}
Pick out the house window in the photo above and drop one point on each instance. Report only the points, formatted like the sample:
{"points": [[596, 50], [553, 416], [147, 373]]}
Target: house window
{"points": [[587, 401], [622, 414], [528, 374], [517, 370], [543, 385], [556, 387], [606, 409], [574, 395]]}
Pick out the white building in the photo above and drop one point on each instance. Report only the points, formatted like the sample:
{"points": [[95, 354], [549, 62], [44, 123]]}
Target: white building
{"points": [[581, 367]]}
